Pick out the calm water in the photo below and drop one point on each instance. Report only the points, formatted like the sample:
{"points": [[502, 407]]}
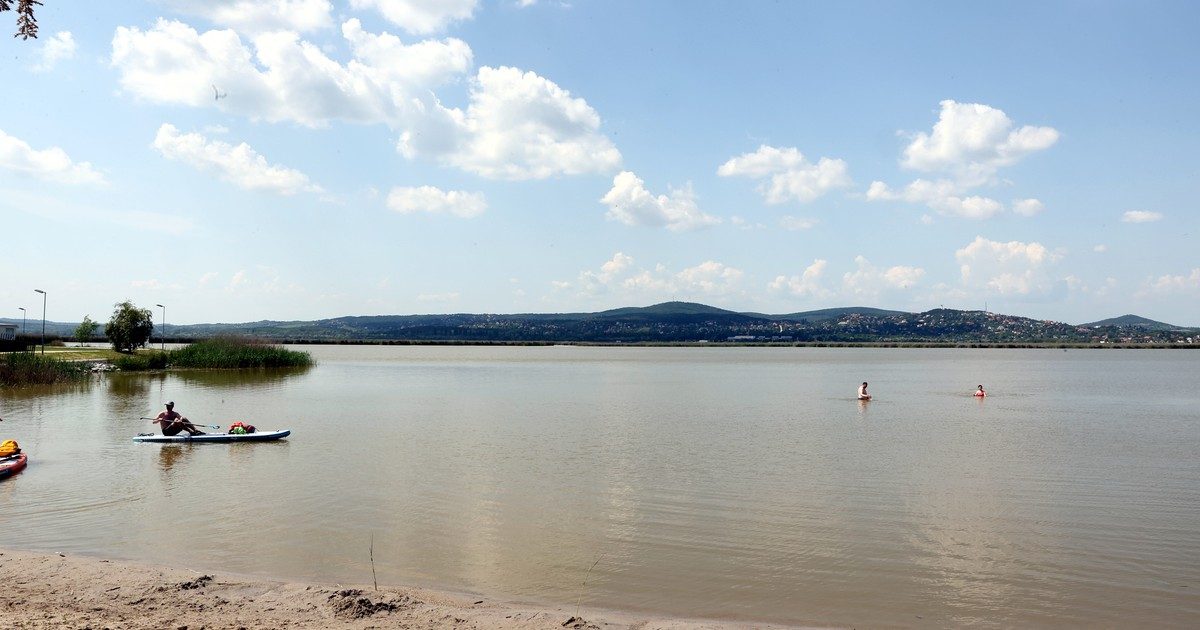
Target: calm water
{"points": [[741, 484]]}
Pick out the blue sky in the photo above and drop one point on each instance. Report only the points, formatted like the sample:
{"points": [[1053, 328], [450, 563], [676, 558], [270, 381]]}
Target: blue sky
{"points": [[302, 159]]}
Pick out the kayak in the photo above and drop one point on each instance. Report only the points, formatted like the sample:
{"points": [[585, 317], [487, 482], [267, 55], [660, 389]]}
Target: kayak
{"points": [[12, 465], [257, 436]]}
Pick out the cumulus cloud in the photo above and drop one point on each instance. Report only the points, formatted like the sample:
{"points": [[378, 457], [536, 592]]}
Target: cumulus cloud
{"points": [[806, 284], [51, 164], [620, 278], [1028, 207], [522, 126], [1100, 249], [972, 141], [1012, 268], [794, 224], [517, 125], [438, 297], [789, 176], [420, 17], [632, 204], [1168, 284], [239, 165], [60, 47], [258, 16], [1140, 216], [968, 145], [436, 201], [867, 280], [942, 195]]}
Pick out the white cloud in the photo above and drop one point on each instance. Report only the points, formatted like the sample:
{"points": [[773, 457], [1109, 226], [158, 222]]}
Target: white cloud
{"points": [[1100, 249], [517, 125], [435, 201], [630, 203], [867, 280], [240, 165], [791, 176], [1169, 284], [207, 278], [794, 224], [1140, 216], [258, 16], [52, 164], [618, 277], [1012, 268], [420, 17], [284, 79], [438, 297], [942, 195], [807, 284], [1028, 207], [61, 46], [972, 141]]}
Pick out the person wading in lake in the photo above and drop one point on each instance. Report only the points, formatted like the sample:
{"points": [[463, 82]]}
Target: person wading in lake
{"points": [[862, 392], [173, 423]]}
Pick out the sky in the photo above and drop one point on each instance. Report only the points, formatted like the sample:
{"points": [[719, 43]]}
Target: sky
{"points": [[239, 160]]}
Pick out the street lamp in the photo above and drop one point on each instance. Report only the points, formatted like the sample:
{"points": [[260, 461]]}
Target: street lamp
{"points": [[22, 319], [43, 318], [163, 337]]}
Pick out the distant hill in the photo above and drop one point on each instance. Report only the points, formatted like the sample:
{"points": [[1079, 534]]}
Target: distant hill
{"points": [[689, 322], [1134, 321], [835, 313]]}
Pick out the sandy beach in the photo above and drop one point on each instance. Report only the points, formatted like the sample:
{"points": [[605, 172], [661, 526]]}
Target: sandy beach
{"points": [[50, 590]]}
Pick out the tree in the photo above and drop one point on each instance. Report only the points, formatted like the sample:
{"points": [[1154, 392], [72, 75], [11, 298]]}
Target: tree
{"points": [[130, 327], [26, 24], [86, 329]]}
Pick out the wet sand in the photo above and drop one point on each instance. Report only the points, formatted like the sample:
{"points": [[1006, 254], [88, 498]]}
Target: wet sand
{"points": [[49, 590]]}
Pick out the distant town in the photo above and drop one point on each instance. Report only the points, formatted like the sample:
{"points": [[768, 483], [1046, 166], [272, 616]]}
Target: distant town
{"points": [[685, 322]]}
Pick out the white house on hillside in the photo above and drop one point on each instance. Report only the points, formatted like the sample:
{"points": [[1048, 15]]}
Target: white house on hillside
{"points": [[8, 332]]}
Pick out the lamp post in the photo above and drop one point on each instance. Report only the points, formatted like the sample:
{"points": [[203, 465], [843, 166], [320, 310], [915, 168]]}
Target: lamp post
{"points": [[163, 337], [22, 319], [43, 318]]}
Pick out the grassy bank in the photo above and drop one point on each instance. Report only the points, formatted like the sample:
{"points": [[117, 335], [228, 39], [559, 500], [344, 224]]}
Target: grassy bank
{"points": [[20, 369], [226, 352]]}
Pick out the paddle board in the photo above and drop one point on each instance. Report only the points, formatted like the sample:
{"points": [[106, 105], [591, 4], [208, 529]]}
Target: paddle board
{"points": [[257, 436]]}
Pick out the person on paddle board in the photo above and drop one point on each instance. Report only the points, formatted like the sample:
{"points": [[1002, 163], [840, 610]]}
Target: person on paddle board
{"points": [[862, 392], [979, 393], [172, 423]]}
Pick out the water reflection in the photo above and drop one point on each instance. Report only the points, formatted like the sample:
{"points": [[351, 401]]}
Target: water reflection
{"points": [[169, 454], [239, 378], [724, 483]]}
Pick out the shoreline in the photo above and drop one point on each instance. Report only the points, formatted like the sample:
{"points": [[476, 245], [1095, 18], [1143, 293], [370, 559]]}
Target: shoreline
{"points": [[52, 590]]}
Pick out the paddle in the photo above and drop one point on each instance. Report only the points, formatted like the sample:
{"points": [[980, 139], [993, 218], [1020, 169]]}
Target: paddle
{"points": [[207, 426]]}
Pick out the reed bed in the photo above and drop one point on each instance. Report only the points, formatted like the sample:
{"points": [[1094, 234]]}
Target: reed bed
{"points": [[19, 369], [232, 352], [152, 360]]}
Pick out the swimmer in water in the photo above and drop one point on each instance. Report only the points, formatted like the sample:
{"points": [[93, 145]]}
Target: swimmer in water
{"points": [[862, 392], [979, 393]]}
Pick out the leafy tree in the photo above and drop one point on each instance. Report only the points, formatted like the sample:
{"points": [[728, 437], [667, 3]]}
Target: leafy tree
{"points": [[86, 329], [26, 24], [130, 327]]}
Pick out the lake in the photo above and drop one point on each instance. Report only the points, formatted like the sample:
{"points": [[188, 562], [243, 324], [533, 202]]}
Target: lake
{"points": [[729, 483]]}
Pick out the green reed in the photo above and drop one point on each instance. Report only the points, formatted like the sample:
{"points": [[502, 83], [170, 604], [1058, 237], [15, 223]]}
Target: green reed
{"points": [[152, 360], [233, 352], [18, 369]]}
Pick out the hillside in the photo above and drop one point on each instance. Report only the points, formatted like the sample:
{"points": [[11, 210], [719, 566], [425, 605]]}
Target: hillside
{"points": [[684, 322], [1134, 321]]}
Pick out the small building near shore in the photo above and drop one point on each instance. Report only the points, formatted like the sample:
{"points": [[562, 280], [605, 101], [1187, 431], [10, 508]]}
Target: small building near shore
{"points": [[8, 332]]}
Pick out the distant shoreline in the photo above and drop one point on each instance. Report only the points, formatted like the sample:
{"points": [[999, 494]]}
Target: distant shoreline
{"points": [[747, 344]]}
